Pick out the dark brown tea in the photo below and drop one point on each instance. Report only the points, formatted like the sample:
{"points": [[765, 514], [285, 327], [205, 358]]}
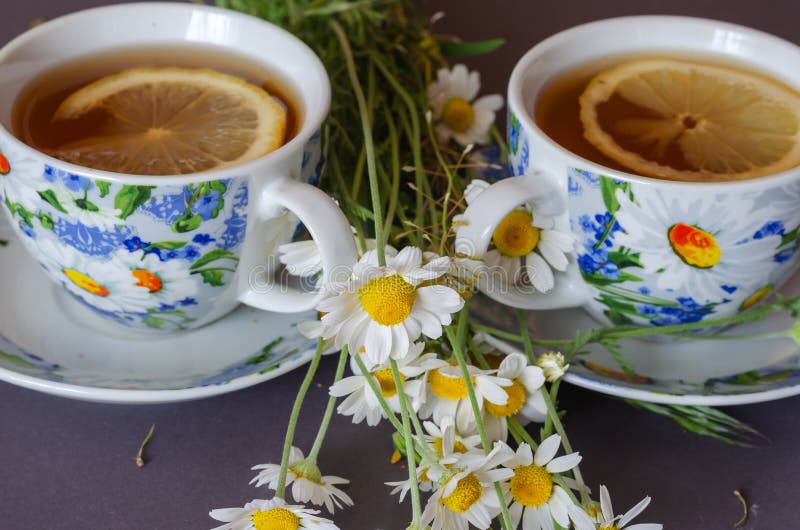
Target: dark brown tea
{"points": [[92, 138], [675, 118]]}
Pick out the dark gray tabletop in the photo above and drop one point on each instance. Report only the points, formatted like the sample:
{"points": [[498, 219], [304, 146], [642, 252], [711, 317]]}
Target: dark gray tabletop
{"points": [[69, 465]]}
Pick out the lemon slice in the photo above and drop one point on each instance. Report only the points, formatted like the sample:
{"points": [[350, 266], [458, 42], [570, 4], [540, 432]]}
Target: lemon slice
{"points": [[166, 121], [682, 120]]}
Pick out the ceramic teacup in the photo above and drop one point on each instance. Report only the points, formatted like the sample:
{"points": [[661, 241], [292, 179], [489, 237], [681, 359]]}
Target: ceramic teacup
{"points": [[647, 251], [180, 251]]}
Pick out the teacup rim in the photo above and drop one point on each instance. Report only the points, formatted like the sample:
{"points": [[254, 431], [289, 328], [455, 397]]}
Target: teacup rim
{"points": [[516, 105], [311, 124]]}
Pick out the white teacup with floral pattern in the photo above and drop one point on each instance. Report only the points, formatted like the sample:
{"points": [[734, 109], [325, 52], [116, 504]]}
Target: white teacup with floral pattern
{"points": [[644, 251], [173, 252]]}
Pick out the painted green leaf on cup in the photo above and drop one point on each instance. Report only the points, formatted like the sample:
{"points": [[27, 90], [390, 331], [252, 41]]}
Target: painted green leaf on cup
{"points": [[212, 277], [104, 187], [86, 204], [49, 196], [214, 255], [130, 198], [187, 222]]}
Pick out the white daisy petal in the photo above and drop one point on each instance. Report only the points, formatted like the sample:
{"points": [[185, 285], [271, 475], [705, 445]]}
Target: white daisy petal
{"points": [[547, 450], [563, 463]]}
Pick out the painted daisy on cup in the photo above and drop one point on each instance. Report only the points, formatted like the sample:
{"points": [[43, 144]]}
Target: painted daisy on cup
{"points": [[385, 309], [691, 249], [606, 520], [527, 244], [468, 496], [360, 401], [457, 113], [270, 514], [525, 401], [109, 286], [535, 499], [448, 395], [308, 483]]}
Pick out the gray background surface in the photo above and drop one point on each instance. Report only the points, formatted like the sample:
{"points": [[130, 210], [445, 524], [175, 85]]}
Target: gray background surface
{"points": [[69, 465]]}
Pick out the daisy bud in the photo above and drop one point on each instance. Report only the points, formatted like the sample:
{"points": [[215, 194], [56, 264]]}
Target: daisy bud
{"points": [[553, 365]]}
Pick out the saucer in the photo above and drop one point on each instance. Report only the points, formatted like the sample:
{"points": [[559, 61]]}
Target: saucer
{"points": [[671, 371], [50, 343]]}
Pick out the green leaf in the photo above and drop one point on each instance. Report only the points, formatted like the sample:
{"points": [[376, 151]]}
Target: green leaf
{"points": [[46, 220], [470, 48], [86, 204], [187, 222], [789, 237], [50, 197], [3, 242], [705, 421], [166, 245], [15, 360], [104, 187], [218, 185], [625, 259], [153, 322], [129, 198], [211, 277], [214, 255], [266, 351]]}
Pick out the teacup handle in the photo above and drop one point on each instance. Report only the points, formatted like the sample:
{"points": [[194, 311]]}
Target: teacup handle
{"points": [[480, 221], [328, 227]]}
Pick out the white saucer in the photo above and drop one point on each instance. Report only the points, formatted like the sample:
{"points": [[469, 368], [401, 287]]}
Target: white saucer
{"points": [[50, 343], [686, 372]]}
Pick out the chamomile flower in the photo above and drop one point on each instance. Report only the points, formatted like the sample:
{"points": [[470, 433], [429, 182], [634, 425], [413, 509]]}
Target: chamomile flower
{"points": [[270, 514], [606, 520], [553, 364], [468, 496], [308, 483], [448, 394], [385, 309], [360, 401], [457, 113], [528, 243], [524, 398], [446, 442], [535, 500], [302, 258]]}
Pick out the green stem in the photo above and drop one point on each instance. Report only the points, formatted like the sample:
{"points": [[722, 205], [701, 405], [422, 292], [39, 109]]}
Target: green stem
{"points": [[395, 189], [280, 491], [553, 413], [326, 418], [452, 337], [526, 336], [368, 141], [416, 505], [416, 151]]}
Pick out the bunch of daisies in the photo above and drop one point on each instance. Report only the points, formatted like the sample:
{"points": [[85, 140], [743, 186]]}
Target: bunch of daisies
{"points": [[459, 401]]}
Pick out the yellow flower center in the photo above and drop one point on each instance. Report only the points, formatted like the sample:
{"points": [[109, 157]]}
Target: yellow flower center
{"points": [[448, 387], [516, 236], [386, 381], [516, 399], [86, 283], [458, 447], [531, 486], [755, 298], [458, 114], [147, 279], [276, 519], [388, 300], [694, 246], [467, 493]]}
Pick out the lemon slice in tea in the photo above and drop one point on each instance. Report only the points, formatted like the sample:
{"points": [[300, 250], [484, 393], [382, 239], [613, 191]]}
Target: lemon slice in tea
{"points": [[166, 121], [689, 121]]}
